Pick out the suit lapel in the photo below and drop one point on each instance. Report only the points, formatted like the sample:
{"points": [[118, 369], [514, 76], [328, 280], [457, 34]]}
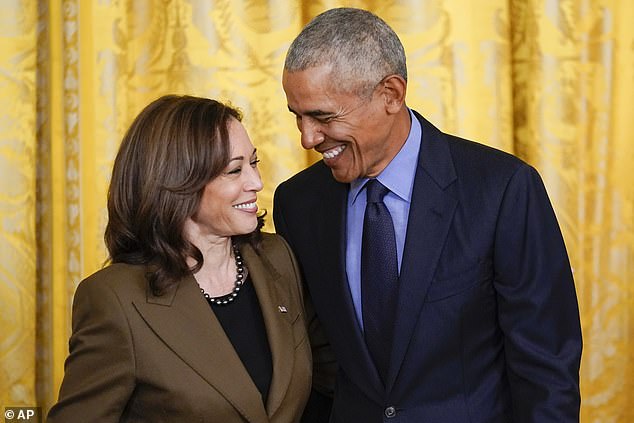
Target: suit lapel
{"points": [[272, 296], [185, 323], [431, 212], [335, 295]]}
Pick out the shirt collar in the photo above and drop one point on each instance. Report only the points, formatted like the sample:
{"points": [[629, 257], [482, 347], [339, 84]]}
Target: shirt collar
{"points": [[398, 176]]}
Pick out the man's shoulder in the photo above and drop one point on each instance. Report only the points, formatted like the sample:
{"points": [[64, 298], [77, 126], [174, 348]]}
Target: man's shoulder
{"points": [[467, 149], [306, 180], [475, 152]]}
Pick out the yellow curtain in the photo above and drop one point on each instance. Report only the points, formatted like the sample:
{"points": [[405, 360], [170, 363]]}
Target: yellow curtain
{"points": [[549, 81]]}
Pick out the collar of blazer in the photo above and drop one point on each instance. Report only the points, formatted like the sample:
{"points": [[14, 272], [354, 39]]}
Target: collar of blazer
{"points": [[184, 321], [434, 201]]}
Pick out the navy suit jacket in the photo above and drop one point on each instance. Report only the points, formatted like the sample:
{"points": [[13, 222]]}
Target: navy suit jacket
{"points": [[487, 327]]}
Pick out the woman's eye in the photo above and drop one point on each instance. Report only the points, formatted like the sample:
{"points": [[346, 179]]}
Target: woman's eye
{"points": [[254, 163], [235, 171]]}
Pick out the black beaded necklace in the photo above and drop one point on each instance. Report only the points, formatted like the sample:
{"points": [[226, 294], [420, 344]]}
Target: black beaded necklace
{"points": [[228, 298]]}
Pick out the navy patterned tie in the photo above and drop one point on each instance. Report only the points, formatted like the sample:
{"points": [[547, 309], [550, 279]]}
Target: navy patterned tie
{"points": [[379, 276]]}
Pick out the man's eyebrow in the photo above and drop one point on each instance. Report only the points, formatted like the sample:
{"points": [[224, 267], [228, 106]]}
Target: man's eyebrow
{"points": [[312, 113]]}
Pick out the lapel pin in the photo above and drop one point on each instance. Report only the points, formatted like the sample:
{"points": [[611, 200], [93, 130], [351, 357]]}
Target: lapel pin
{"points": [[282, 309]]}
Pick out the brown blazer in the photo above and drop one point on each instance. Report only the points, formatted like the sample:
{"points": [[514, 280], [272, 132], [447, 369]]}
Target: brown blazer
{"points": [[136, 357]]}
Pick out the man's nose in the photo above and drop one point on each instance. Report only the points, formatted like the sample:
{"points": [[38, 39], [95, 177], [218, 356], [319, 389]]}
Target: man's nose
{"points": [[311, 133]]}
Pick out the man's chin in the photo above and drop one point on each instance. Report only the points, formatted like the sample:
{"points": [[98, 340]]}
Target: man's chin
{"points": [[342, 176]]}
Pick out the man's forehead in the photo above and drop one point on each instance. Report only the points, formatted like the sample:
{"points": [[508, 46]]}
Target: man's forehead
{"points": [[306, 80], [318, 103], [314, 94]]}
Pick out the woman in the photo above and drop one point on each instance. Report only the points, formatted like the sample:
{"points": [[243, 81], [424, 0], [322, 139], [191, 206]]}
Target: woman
{"points": [[199, 317]]}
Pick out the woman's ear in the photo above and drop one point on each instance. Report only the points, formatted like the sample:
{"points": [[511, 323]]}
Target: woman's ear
{"points": [[393, 89]]}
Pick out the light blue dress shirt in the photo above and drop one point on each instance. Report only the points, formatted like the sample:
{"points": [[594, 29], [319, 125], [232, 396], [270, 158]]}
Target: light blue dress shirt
{"points": [[398, 177]]}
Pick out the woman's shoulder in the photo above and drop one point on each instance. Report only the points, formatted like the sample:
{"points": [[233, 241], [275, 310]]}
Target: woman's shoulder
{"points": [[117, 278], [272, 250], [278, 254], [274, 244]]}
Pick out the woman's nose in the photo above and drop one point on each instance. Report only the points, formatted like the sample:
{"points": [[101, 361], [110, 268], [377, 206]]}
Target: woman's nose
{"points": [[254, 182]]}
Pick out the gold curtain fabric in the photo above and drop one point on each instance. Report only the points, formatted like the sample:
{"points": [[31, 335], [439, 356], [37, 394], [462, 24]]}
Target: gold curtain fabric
{"points": [[550, 81]]}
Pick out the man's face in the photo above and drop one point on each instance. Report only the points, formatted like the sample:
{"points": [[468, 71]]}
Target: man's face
{"points": [[351, 133]]}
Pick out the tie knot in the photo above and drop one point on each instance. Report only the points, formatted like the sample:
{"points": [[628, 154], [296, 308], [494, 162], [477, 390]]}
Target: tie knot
{"points": [[375, 191]]}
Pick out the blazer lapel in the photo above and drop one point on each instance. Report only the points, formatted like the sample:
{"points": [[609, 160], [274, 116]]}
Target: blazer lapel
{"points": [[430, 216], [185, 323], [272, 296], [334, 294]]}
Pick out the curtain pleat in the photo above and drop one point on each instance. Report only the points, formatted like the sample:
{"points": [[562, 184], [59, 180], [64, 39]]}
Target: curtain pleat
{"points": [[18, 167]]}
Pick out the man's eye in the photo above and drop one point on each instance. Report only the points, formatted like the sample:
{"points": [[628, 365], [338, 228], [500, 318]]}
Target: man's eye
{"points": [[326, 119]]}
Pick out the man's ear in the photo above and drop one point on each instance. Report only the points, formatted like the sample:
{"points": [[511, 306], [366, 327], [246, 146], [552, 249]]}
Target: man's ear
{"points": [[393, 89]]}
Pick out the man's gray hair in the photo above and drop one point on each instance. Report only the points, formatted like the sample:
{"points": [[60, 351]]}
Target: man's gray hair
{"points": [[359, 46]]}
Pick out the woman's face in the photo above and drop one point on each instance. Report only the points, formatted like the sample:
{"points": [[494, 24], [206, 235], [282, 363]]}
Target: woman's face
{"points": [[228, 205]]}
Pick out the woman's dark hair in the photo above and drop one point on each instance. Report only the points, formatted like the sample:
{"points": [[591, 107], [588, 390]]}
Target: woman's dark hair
{"points": [[174, 147]]}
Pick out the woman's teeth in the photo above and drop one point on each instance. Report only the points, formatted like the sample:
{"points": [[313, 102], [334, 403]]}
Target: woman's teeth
{"points": [[244, 206]]}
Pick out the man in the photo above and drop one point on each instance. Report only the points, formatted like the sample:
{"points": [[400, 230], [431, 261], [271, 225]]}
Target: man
{"points": [[462, 308]]}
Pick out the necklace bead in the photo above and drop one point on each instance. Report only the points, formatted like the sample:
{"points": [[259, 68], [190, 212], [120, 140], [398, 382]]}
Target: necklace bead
{"points": [[228, 298]]}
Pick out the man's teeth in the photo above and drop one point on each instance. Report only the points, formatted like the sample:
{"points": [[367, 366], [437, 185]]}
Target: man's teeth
{"points": [[244, 206], [333, 152]]}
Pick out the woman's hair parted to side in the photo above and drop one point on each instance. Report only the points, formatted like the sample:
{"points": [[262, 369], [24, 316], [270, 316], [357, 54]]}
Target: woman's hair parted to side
{"points": [[174, 147]]}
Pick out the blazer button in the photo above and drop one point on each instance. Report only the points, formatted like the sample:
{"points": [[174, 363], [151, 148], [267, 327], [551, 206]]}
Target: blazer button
{"points": [[390, 412]]}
